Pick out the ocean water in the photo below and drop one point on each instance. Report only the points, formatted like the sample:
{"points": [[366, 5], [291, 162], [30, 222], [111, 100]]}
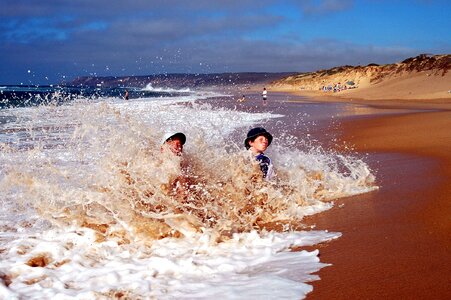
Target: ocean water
{"points": [[30, 95], [90, 207]]}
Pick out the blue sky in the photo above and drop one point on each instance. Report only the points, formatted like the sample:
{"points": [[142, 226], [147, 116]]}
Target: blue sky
{"points": [[50, 41]]}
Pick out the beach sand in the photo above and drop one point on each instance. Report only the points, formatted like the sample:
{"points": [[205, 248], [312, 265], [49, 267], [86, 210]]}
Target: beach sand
{"points": [[396, 240]]}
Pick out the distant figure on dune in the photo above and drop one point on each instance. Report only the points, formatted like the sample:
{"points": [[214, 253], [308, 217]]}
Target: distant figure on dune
{"points": [[264, 95], [242, 99], [126, 95]]}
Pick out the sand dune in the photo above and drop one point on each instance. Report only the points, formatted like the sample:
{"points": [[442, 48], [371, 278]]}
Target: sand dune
{"points": [[421, 77], [416, 85]]}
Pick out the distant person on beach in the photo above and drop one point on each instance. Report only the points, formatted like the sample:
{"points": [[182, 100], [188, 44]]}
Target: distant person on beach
{"points": [[126, 95], [257, 141], [264, 96], [242, 99]]}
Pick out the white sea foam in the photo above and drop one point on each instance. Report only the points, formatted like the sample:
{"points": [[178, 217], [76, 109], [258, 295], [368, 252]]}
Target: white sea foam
{"points": [[58, 163], [249, 264], [150, 88]]}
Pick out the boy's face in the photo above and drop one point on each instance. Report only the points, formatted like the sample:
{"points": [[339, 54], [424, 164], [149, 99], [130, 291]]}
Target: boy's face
{"points": [[260, 144], [176, 146]]}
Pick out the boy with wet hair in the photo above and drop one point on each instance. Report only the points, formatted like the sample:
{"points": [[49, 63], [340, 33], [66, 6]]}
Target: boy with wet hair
{"points": [[257, 141]]}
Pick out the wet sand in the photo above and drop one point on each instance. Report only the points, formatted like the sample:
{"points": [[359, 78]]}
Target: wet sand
{"points": [[396, 240]]}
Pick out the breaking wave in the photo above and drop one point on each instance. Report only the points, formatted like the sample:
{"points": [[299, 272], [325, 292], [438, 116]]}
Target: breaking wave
{"points": [[98, 170]]}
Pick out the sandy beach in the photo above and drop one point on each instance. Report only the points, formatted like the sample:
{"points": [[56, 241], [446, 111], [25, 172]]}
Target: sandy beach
{"points": [[396, 240]]}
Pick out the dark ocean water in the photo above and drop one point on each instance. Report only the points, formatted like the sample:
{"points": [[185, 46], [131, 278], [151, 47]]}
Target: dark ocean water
{"points": [[23, 95]]}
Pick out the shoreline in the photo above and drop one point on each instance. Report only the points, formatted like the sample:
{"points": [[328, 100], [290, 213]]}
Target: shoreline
{"points": [[396, 240], [387, 102]]}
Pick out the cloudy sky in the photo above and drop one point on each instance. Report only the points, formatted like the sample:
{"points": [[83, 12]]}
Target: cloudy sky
{"points": [[48, 41]]}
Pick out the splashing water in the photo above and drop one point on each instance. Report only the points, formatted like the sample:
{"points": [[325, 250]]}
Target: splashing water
{"points": [[90, 190]]}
